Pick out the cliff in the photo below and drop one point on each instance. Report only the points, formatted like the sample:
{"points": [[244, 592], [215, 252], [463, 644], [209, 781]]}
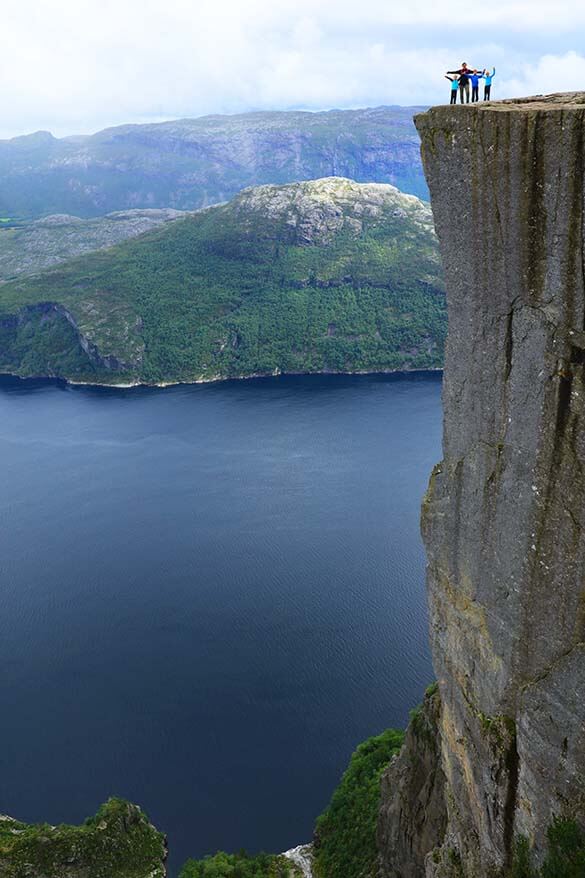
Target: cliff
{"points": [[503, 519]]}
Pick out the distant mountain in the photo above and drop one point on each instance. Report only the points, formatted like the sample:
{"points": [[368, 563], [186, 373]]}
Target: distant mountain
{"points": [[33, 246], [192, 163], [328, 275]]}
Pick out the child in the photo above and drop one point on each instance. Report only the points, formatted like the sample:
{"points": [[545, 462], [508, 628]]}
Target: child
{"points": [[488, 83], [475, 77], [454, 80]]}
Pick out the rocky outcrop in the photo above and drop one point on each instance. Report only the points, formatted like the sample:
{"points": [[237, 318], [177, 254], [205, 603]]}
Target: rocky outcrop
{"points": [[412, 815], [302, 857], [42, 333], [313, 212], [119, 842], [503, 520]]}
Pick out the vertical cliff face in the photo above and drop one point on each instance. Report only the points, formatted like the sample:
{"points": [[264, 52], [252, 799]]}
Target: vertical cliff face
{"points": [[412, 816], [503, 520]]}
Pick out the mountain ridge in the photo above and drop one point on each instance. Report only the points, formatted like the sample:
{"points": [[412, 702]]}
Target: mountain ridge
{"points": [[190, 163]]}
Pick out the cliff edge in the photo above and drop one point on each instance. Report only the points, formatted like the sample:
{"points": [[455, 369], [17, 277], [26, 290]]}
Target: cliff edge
{"points": [[503, 520]]}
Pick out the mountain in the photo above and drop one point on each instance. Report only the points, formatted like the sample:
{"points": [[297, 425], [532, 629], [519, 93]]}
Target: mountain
{"points": [[192, 163], [28, 248], [328, 275]]}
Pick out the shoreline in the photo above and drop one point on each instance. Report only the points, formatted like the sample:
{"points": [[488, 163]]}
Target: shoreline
{"points": [[129, 385]]}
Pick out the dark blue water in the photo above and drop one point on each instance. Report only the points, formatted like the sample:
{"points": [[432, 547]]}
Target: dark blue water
{"points": [[209, 596]]}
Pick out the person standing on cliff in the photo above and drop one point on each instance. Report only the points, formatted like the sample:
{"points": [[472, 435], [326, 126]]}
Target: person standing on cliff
{"points": [[454, 80], [463, 73], [475, 77], [488, 83]]}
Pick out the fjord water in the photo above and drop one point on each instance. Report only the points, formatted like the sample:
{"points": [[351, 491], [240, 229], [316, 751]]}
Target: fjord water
{"points": [[209, 595]]}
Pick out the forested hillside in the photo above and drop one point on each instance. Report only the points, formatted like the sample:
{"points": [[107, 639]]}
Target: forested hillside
{"points": [[327, 275]]}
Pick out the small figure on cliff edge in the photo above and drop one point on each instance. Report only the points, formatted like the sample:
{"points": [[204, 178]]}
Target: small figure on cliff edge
{"points": [[463, 73], [454, 80], [475, 77], [488, 83]]}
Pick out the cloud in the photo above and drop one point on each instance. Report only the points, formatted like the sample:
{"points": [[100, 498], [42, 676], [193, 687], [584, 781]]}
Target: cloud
{"points": [[78, 65], [552, 73]]}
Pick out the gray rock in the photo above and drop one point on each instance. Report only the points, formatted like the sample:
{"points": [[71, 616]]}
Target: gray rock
{"points": [[412, 816], [314, 211], [302, 857], [503, 519]]}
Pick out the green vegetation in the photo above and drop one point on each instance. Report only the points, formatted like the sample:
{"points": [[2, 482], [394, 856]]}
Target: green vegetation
{"points": [[521, 866], [30, 247], [272, 282], [565, 857], [118, 842], [345, 835], [43, 344], [240, 865]]}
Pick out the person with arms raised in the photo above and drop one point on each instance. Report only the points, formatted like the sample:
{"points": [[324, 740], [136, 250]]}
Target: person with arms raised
{"points": [[454, 80], [463, 73], [488, 83]]}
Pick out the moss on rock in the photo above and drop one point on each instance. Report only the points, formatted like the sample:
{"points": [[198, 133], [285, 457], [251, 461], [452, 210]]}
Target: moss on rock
{"points": [[118, 842]]}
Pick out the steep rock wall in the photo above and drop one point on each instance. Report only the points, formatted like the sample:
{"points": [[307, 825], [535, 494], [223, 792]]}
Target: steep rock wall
{"points": [[503, 520], [412, 814]]}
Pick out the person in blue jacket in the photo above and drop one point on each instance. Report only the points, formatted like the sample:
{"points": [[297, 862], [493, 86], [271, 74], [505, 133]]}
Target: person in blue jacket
{"points": [[454, 80], [488, 83], [475, 77]]}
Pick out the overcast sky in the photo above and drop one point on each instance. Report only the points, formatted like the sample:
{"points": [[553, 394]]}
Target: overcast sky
{"points": [[75, 66]]}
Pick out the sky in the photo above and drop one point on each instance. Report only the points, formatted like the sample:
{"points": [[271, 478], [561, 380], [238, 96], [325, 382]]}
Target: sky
{"points": [[76, 66]]}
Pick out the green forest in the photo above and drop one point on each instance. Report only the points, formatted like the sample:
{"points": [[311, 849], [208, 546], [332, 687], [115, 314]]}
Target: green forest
{"points": [[247, 288], [345, 834], [241, 865]]}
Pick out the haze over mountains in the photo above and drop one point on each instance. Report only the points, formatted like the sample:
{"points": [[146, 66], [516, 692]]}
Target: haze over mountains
{"points": [[191, 163]]}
